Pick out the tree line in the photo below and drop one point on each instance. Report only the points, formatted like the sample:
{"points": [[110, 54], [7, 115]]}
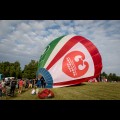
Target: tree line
{"points": [[14, 70], [110, 77]]}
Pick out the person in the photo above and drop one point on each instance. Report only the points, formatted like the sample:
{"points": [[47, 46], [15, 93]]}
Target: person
{"points": [[24, 84], [27, 84], [3, 83], [13, 86], [37, 90], [30, 83], [7, 84], [33, 83], [4, 93], [36, 80], [43, 82], [20, 86], [33, 92], [0, 90], [38, 84]]}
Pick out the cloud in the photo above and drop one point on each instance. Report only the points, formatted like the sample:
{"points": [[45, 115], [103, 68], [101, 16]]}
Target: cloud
{"points": [[24, 40]]}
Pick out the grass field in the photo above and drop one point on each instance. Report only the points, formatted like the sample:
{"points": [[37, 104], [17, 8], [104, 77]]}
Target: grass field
{"points": [[85, 91]]}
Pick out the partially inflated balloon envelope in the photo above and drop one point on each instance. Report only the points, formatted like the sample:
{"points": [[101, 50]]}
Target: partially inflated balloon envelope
{"points": [[69, 60]]}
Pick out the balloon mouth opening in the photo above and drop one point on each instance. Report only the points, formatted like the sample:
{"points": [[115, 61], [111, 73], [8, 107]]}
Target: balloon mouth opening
{"points": [[42, 72]]}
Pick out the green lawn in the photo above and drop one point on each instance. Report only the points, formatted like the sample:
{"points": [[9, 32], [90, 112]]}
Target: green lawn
{"points": [[85, 91]]}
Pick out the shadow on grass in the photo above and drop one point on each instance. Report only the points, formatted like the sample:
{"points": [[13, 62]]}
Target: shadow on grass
{"points": [[81, 84]]}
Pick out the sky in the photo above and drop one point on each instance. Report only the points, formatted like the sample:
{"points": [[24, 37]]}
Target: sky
{"points": [[25, 40]]}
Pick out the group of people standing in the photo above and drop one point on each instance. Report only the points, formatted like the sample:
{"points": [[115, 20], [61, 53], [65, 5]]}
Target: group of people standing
{"points": [[8, 87], [41, 82]]}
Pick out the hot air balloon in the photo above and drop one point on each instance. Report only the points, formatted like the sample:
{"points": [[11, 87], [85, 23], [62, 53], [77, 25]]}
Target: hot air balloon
{"points": [[69, 60]]}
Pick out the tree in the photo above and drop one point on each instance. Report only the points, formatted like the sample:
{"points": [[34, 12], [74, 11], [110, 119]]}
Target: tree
{"points": [[114, 77], [6, 68], [104, 75], [30, 70], [110, 77], [18, 72], [10, 69]]}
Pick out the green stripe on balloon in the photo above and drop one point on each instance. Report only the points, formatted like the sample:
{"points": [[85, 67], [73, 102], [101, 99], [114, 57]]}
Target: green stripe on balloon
{"points": [[44, 57]]}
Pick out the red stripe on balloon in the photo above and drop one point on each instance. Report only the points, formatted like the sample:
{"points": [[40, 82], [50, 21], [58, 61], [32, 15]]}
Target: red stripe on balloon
{"points": [[72, 82], [88, 45], [64, 49]]}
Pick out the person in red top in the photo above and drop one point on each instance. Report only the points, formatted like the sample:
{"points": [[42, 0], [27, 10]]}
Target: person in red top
{"points": [[20, 86], [0, 90]]}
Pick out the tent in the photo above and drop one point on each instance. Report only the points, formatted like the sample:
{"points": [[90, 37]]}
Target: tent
{"points": [[93, 80], [69, 60], [1, 77]]}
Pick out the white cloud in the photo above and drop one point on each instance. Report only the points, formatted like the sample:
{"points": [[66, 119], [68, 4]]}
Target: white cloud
{"points": [[24, 40]]}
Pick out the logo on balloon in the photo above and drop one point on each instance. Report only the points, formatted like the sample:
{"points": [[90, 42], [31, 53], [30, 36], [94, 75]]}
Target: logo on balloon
{"points": [[74, 64]]}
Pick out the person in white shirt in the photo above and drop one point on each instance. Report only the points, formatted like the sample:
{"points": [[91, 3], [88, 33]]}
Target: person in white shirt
{"points": [[3, 83]]}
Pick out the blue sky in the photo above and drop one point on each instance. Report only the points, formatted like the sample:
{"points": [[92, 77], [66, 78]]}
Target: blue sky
{"points": [[24, 40]]}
